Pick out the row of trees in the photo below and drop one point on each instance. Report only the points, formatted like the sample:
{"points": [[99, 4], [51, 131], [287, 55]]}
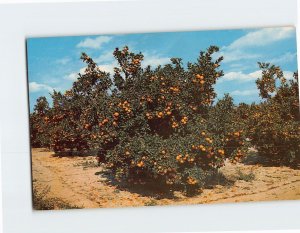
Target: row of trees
{"points": [[161, 124]]}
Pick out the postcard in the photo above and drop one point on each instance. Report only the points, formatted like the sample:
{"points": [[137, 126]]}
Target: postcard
{"points": [[172, 118]]}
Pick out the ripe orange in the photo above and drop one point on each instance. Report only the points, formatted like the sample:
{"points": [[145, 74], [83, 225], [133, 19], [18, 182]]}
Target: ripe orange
{"points": [[221, 151], [140, 164]]}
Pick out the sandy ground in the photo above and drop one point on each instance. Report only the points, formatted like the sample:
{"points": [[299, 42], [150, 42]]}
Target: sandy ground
{"points": [[77, 182]]}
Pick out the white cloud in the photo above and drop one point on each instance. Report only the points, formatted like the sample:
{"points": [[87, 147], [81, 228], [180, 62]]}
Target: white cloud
{"points": [[285, 58], [106, 68], [288, 74], [63, 61], [245, 92], [108, 61], [154, 60], [262, 37], [74, 75], [105, 57], [237, 50], [109, 68], [94, 43], [52, 81], [237, 55], [240, 66], [242, 77], [37, 87], [109, 64]]}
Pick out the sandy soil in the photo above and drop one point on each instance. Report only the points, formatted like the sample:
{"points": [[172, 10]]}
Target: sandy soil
{"points": [[77, 182]]}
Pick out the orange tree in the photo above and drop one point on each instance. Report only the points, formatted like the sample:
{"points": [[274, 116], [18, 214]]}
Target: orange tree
{"points": [[274, 125], [224, 121], [67, 125], [39, 135], [73, 114], [153, 126], [149, 124]]}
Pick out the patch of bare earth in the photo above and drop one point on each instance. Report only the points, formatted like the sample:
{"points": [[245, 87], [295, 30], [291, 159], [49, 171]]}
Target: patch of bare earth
{"points": [[76, 181]]}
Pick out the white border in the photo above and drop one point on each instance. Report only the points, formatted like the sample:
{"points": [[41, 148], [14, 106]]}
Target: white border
{"points": [[20, 21]]}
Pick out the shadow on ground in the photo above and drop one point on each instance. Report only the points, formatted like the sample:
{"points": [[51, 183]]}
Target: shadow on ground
{"points": [[74, 153], [255, 159], [157, 190]]}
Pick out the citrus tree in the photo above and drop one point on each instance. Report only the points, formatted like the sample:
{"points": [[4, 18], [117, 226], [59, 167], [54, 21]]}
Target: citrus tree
{"points": [[39, 135], [274, 125], [73, 114], [150, 125], [153, 127], [224, 121]]}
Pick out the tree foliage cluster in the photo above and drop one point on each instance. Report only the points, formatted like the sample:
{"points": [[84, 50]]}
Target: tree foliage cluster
{"points": [[162, 125]]}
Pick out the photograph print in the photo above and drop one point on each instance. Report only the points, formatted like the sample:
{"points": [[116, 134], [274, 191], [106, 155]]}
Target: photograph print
{"points": [[169, 118]]}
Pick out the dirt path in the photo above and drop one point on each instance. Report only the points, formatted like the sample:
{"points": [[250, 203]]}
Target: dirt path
{"points": [[76, 181]]}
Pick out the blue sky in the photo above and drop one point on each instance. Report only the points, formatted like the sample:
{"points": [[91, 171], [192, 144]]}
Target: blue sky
{"points": [[53, 62]]}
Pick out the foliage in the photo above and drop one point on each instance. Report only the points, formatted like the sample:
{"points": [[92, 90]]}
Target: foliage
{"points": [[39, 134], [160, 124], [274, 125]]}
